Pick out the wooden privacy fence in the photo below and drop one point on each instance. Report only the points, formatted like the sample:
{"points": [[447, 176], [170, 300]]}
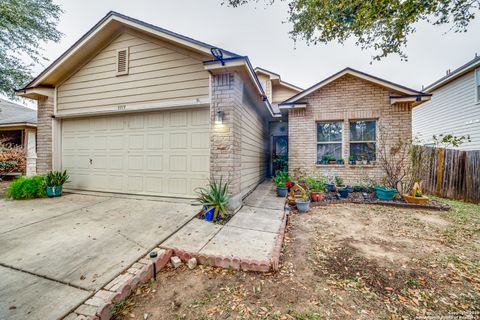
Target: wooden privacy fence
{"points": [[453, 174]]}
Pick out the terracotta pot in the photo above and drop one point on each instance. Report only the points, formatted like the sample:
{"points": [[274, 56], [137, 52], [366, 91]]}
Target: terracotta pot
{"points": [[316, 196]]}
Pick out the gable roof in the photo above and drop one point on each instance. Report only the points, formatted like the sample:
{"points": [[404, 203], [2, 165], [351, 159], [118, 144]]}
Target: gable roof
{"points": [[15, 114], [109, 25], [467, 67], [276, 76], [385, 83]]}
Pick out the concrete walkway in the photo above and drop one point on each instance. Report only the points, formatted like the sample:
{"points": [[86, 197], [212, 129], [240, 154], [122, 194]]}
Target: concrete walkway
{"points": [[250, 234], [55, 253]]}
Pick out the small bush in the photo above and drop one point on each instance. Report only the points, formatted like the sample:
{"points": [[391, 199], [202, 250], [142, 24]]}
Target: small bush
{"points": [[27, 188], [12, 159]]}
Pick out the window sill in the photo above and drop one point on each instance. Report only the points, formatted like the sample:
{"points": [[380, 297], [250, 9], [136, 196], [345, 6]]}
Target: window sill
{"points": [[346, 165]]}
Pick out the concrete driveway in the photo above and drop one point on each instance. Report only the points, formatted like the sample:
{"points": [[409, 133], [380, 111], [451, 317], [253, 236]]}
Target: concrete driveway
{"points": [[54, 253]]}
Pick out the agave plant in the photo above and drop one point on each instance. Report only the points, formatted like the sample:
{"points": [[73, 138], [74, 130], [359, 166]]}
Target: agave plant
{"points": [[56, 178], [214, 195]]}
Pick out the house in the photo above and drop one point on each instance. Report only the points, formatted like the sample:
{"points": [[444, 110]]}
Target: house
{"points": [[454, 107], [137, 109], [18, 127], [341, 117]]}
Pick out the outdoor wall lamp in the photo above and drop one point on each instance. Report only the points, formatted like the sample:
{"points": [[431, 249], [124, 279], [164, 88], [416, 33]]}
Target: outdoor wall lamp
{"points": [[219, 117]]}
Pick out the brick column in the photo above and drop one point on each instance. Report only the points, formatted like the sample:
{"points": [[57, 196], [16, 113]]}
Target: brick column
{"points": [[44, 134], [225, 138]]}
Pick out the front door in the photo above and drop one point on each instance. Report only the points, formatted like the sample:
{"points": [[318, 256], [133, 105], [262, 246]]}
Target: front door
{"points": [[279, 153]]}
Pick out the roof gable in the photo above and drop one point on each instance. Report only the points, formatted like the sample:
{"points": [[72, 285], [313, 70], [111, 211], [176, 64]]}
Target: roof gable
{"points": [[107, 28], [384, 83]]}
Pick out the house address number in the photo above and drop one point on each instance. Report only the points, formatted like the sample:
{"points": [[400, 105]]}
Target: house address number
{"points": [[121, 108]]}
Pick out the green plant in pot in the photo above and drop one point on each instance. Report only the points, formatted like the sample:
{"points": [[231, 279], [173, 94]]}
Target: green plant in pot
{"points": [[281, 180], [54, 181], [317, 187], [214, 199], [303, 203]]}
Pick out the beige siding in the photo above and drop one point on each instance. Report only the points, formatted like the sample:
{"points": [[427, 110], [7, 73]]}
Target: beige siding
{"points": [[157, 72], [281, 93], [253, 148]]}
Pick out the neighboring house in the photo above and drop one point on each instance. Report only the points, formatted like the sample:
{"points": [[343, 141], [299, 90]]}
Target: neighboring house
{"points": [[134, 108], [341, 116], [454, 107], [18, 125]]}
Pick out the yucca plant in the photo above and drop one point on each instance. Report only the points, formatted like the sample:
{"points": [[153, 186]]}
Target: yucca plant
{"points": [[214, 195]]}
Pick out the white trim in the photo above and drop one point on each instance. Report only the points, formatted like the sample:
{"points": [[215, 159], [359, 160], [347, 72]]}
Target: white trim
{"points": [[292, 106], [128, 108], [18, 125], [394, 100], [477, 84], [353, 73]]}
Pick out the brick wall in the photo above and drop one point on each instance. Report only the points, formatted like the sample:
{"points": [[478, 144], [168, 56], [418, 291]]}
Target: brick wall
{"points": [[225, 139], [229, 95], [44, 135], [347, 98]]}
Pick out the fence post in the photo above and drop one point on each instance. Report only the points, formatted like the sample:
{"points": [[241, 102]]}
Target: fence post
{"points": [[439, 172]]}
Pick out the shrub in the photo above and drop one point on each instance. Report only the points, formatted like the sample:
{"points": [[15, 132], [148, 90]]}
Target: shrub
{"points": [[27, 188], [12, 159], [216, 196]]}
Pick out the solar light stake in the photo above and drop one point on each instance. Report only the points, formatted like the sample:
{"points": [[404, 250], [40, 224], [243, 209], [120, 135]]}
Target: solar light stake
{"points": [[153, 255]]}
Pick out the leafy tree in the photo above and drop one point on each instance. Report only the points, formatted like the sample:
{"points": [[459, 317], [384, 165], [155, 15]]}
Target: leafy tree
{"points": [[24, 26], [383, 25]]}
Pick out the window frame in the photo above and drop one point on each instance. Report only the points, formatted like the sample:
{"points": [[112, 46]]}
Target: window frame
{"points": [[365, 141], [342, 123]]}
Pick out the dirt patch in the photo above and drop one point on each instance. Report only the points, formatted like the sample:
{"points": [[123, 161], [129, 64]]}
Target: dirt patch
{"points": [[339, 262]]}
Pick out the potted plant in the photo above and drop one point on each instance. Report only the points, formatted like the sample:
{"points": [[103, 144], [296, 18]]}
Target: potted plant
{"points": [[332, 160], [340, 161], [303, 203], [385, 193], [214, 199], [325, 159], [54, 181], [317, 188], [351, 161], [281, 180]]}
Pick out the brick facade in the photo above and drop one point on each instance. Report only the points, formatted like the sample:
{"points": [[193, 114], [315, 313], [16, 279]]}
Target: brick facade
{"points": [[345, 99], [228, 95], [44, 134]]}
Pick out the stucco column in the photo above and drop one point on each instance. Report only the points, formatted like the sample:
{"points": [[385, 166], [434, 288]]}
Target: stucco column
{"points": [[31, 152], [225, 138]]}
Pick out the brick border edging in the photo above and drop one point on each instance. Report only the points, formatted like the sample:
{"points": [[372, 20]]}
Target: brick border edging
{"points": [[123, 285]]}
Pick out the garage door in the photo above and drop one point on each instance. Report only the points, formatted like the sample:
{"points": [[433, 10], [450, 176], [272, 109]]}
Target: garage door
{"points": [[158, 153]]}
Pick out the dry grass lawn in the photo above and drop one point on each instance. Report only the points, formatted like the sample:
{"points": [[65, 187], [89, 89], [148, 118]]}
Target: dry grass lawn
{"points": [[339, 262]]}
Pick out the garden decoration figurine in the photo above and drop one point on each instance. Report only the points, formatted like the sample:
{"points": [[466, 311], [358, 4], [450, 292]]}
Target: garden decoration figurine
{"points": [[299, 196], [416, 195]]}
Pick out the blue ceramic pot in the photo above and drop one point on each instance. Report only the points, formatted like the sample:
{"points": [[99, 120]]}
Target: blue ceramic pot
{"points": [[282, 192], [303, 206], [209, 214]]}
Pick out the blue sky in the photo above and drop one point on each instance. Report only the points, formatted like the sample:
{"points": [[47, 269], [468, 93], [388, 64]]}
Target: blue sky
{"points": [[259, 31]]}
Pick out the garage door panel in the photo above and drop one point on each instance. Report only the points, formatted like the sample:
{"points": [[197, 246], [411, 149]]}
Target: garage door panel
{"points": [[162, 153]]}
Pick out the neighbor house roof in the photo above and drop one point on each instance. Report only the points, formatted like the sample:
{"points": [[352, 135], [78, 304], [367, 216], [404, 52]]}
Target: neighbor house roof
{"points": [[406, 94], [12, 114], [467, 67]]}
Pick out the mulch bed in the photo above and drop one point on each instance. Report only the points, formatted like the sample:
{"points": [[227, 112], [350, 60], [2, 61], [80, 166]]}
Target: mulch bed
{"points": [[369, 198]]}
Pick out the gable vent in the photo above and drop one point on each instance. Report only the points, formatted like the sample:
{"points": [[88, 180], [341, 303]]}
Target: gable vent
{"points": [[122, 61]]}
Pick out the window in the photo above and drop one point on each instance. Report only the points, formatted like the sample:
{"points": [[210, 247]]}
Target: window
{"points": [[477, 77], [329, 140], [363, 139]]}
